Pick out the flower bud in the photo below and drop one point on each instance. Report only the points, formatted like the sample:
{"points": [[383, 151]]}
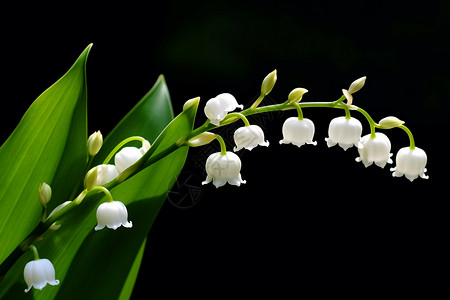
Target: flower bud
{"points": [[45, 194], [296, 95], [38, 273], [94, 143], [188, 104], [391, 122], [269, 82], [357, 85], [202, 139]]}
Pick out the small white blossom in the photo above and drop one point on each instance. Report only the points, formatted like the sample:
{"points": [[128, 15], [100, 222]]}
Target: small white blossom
{"points": [[410, 163], [249, 137], [216, 109], [129, 155], [376, 150], [100, 175], [298, 132], [38, 273], [113, 215], [345, 132], [223, 168], [126, 157]]}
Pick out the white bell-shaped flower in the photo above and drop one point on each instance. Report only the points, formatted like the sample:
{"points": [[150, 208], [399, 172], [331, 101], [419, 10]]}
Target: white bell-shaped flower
{"points": [[99, 175], [126, 157], [345, 132], [376, 150], [223, 168], [38, 273], [129, 155], [249, 137], [410, 163], [298, 132], [112, 215], [216, 109]]}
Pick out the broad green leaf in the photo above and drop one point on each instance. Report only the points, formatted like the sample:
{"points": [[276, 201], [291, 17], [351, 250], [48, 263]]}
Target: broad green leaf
{"points": [[48, 145], [147, 119], [110, 254], [105, 263], [128, 286]]}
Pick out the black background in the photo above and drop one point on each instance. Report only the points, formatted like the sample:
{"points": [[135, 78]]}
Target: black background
{"points": [[309, 221]]}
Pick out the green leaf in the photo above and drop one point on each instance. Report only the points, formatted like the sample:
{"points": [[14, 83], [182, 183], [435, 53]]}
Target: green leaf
{"points": [[104, 264], [48, 145], [110, 255], [147, 119]]}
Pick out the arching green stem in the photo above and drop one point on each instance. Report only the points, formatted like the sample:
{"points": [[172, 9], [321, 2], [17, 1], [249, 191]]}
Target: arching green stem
{"points": [[372, 123], [240, 116], [35, 252], [120, 145], [104, 191], [299, 110], [223, 147], [412, 145], [347, 113], [258, 101]]}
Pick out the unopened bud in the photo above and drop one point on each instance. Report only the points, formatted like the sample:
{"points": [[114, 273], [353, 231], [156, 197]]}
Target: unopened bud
{"points": [[357, 85], [269, 82], [191, 102], [202, 139], [391, 122], [45, 194], [94, 143], [296, 95]]}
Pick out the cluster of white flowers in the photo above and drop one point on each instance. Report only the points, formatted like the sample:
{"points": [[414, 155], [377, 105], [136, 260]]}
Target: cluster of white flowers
{"points": [[225, 167], [111, 214], [114, 214], [343, 131]]}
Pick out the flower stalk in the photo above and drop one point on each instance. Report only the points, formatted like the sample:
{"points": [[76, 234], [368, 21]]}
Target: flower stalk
{"points": [[113, 214]]}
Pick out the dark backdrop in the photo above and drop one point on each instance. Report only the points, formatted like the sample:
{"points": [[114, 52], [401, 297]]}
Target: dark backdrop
{"points": [[309, 221]]}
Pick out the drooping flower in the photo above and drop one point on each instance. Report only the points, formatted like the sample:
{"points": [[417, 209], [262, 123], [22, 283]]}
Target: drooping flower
{"points": [[411, 163], [100, 175], [223, 168], [216, 109], [345, 132], [376, 150], [126, 157], [112, 215], [38, 273], [249, 137], [298, 132]]}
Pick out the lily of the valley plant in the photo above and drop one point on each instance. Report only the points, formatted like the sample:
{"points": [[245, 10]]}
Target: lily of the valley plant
{"points": [[71, 195]]}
